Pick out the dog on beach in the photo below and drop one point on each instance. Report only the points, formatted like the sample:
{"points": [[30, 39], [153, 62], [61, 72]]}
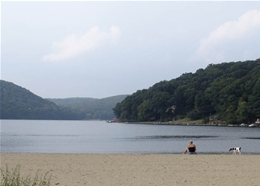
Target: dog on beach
{"points": [[234, 150]]}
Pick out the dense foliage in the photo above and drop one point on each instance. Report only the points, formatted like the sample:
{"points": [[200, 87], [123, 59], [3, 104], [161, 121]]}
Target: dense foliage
{"points": [[228, 91], [20, 103], [90, 108]]}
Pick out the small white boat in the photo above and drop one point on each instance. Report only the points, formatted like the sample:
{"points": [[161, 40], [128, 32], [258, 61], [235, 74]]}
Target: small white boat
{"points": [[252, 125]]}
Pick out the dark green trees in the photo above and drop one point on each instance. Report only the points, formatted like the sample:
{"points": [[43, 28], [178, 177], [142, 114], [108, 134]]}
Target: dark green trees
{"points": [[242, 112], [254, 100], [229, 90]]}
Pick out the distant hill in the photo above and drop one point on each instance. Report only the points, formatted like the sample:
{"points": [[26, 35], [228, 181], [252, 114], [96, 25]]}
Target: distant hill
{"points": [[91, 108], [19, 103], [228, 91]]}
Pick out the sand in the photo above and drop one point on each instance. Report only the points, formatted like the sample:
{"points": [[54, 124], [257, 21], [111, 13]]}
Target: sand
{"points": [[140, 170]]}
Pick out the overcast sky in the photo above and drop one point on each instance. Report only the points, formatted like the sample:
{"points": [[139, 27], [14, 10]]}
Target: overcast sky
{"points": [[102, 49]]}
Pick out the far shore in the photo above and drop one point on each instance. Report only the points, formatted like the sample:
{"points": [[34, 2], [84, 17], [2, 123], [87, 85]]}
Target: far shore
{"points": [[188, 124]]}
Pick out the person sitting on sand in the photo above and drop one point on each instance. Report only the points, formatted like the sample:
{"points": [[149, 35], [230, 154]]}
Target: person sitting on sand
{"points": [[191, 148]]}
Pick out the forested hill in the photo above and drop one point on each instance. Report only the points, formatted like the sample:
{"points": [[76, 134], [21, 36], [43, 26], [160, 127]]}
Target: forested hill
{"points": [[91, 108], [227, 91], [20, 103]]}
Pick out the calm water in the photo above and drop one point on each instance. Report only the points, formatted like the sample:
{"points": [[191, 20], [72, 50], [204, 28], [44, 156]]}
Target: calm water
{"points": [[36, 136]]}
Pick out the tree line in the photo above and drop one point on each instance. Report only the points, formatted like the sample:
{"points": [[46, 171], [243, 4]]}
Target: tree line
{"points": [[227, 91]]}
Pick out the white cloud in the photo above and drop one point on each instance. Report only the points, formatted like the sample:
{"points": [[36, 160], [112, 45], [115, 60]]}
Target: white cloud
{"points": [[231, 37], [74, 45]]}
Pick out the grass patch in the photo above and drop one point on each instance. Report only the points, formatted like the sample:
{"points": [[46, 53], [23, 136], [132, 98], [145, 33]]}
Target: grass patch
{"points": [[13, 178]]}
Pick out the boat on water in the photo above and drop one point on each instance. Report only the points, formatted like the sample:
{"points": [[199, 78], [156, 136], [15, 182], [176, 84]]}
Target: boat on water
{"points": [[252, 125], [256, 124], [243, 125]]}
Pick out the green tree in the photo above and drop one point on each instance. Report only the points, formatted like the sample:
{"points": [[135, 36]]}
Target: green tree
{"points": [[144, 111], [254, 100], [230, 115], [242, 112], [203, 105]]}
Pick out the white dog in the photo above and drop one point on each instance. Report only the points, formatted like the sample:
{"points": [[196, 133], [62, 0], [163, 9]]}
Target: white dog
{"points": [[234, 150]]}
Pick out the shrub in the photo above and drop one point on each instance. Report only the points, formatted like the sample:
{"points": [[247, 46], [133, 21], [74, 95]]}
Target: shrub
{"points": [[13, 178]]}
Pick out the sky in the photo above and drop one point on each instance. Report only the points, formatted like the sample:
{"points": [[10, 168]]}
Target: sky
{"points": [[99, 49]]}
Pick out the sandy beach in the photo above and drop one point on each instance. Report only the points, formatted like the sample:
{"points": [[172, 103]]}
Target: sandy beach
{"points": [[140, 170]]}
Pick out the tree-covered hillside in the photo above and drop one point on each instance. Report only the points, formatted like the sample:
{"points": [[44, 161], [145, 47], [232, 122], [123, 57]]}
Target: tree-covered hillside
{"points": [[20, 103], [90, 108], [229, 91]]}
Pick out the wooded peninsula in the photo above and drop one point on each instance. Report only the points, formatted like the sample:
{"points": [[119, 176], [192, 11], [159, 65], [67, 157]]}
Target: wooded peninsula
{"points": [[227, 92]]}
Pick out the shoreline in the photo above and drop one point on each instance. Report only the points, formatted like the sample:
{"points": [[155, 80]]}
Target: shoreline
{"points": [[188, 124], [139, 169]]}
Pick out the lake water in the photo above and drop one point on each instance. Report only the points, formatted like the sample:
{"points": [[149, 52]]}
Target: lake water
{"points": [[44, 136]]}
